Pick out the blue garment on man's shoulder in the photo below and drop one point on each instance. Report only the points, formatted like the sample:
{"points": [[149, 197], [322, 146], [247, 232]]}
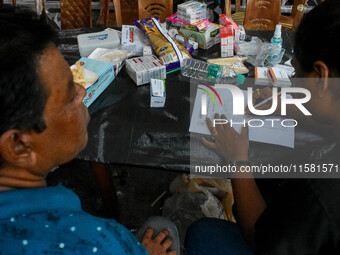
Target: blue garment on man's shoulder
{"points": [[50, 220]]}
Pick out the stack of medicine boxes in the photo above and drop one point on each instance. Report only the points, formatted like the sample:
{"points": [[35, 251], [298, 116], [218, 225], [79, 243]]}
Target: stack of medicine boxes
{"points": [[227, 41], [191, 11]]}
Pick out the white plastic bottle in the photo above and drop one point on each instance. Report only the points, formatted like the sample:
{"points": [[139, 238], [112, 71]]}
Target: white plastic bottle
{"points": [[277, 39]]}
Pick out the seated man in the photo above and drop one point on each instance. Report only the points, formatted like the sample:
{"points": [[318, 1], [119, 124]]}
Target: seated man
{"points": [[44, 124]]}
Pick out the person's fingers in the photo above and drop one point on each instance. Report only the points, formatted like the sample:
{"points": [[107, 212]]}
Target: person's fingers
{"points": [[229, 130], [210, 126], [262, 93], [224, 118], [171, 253], [148, 234], [167, 243], [162, 235], [256, 95], [244, 131], [216, 116], [219, 125], [208, 144]]}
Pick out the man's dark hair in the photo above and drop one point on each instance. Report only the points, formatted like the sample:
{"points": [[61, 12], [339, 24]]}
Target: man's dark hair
{"points": [[318, 37], [23, 37]]}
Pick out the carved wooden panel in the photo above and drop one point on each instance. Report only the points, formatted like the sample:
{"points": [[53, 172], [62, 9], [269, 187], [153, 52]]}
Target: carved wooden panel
{"points": [[262, 14], [155, 8]]}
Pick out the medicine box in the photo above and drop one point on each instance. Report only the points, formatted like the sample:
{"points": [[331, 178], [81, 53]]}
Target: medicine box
{"points": [[262, 76], [191, 6], [142, 69], [192, 17], [192, 11], [87, 43], [106, 76], [290, 70], [227, 41], [133, 40], [279, 77], [157, 93], [174, 22], [205, 38], [226, 21]]}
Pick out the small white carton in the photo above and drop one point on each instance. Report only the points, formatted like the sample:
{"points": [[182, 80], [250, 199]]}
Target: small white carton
{"points": [[87, 43], [160, 70], [142, 69], [290, 70], [205, 38], [279, 77], [157, 93], [262, 76], [133, 40]]}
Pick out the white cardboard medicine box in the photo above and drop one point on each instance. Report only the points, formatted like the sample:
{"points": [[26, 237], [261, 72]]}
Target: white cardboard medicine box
{"points": [[157, 93]]}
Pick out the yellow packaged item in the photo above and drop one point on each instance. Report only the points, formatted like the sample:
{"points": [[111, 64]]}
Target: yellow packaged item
{"points": [[169, 51]]}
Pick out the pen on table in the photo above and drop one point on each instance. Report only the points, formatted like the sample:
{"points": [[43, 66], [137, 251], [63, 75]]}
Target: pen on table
{"points": [[266, 101]]}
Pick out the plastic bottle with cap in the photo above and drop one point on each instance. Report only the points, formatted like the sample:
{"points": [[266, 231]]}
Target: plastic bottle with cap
{"points": [[276, 51], [277, 39]]}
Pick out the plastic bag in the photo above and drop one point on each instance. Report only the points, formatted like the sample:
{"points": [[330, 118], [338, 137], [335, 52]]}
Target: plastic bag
{"points": [[269, 55], [169, 51], [212, 207], [251, 48], [213, 188], [183, 209], [259, 53]]}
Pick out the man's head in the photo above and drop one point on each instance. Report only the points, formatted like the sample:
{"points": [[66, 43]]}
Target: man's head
{"points": [[42, 117], [317, 55], [23, 38], [318, 37]]}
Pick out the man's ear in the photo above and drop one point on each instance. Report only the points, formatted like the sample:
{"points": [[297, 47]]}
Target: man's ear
{"points": [[322, 72], [16, 149]]}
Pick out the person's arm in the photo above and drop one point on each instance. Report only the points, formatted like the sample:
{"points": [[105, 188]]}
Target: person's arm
{"points": [[249, 202], [249, 205]]}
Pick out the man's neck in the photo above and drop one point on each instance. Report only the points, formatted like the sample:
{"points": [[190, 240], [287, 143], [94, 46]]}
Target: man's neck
{"points": [[14, 178]]}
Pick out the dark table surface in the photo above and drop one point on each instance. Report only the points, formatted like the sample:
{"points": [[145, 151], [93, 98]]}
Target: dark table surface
{"points": [[125, 130]]}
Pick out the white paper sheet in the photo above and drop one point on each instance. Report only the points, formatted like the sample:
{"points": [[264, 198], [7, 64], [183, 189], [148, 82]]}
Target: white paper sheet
{"points": [[271, 132]]}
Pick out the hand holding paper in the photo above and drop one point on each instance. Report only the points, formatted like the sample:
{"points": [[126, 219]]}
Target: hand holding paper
{"points": [[228, 142]]}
